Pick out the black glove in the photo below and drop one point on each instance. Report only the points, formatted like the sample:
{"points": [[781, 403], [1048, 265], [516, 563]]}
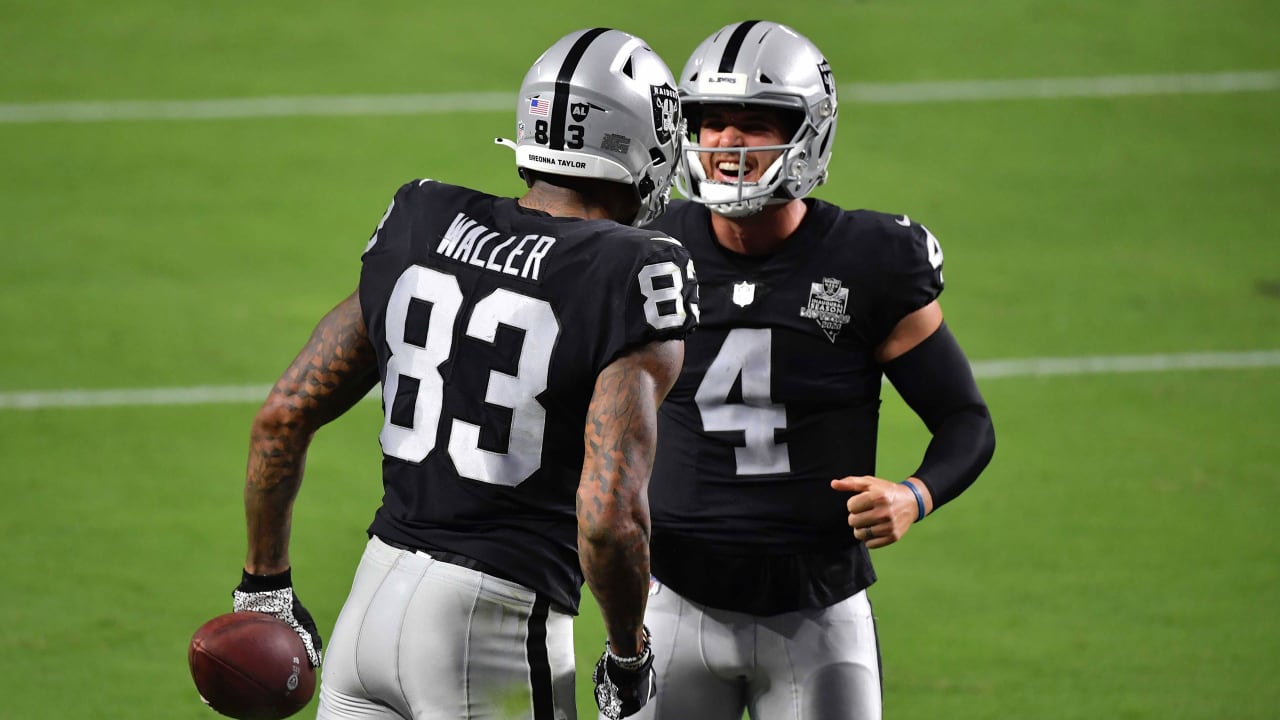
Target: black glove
{"points": [[624, 685], [273, 595]]}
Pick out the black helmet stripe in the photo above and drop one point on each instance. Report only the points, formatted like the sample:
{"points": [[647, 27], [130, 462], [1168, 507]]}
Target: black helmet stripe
{"points": [[734, 46], [560, 103]]}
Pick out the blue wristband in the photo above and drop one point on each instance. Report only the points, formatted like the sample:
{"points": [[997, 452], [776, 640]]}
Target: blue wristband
{"points": [[919, 499]]}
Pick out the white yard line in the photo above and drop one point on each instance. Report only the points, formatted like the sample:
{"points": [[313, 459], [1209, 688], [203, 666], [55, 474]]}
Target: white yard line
{"points": [[1114, 364], [993, 369], [199, 395], [425, 104], [1067, 87]]}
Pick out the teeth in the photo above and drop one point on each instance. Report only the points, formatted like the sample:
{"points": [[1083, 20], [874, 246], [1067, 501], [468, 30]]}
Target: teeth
{"points": [[731, 167]]}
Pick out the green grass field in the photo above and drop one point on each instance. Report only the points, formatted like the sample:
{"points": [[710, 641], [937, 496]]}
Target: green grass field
{"points": [[1114, 561]]}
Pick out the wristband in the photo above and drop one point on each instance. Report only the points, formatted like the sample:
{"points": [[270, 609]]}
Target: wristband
{"points": [[265, 583], [919, 499], [631, 663]]}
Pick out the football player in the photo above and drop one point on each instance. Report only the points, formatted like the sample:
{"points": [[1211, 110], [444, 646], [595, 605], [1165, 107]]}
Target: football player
{"points": [[765, 498], [522, 346]]}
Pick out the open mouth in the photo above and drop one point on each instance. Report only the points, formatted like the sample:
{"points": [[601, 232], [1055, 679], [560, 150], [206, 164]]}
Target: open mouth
{"points": [[731, 171]]}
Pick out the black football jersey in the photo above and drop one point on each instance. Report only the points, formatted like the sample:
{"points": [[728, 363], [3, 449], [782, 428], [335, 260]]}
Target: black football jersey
{"points": [[780, 393], [491, 323]]}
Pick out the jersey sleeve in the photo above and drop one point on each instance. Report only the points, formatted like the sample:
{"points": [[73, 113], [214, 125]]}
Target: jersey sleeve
{"points": [[396, 218], [661, 302], [911, 276]]}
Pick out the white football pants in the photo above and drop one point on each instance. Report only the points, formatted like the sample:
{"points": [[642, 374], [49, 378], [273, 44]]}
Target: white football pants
{"points": [[422, 639], [819, 664]]}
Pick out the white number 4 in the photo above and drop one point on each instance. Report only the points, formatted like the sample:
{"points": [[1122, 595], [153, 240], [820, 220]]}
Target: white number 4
{"points": [[746, 353], [935, 250]]}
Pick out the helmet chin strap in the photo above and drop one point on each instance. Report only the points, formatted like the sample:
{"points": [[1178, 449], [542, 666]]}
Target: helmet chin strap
{"points": [[740, 199]]}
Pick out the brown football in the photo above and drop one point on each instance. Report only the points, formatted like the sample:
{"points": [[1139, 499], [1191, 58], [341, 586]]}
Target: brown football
{"points": [[251, 666]]}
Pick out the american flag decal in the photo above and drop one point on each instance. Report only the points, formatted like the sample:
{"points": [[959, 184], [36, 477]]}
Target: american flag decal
{"points": [[539, 107]]}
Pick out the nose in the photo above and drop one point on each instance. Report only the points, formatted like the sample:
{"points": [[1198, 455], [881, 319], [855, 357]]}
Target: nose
{"points": [[729, 136]]}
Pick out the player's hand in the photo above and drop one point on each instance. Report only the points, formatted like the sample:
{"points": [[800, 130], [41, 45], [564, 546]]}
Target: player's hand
{"points": [[880, 511], [273, 595], [624, 685]]}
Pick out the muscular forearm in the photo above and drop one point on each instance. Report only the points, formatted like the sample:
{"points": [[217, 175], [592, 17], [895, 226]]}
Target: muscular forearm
{"points": [[615, 564], [277, 456], [333, 371], [613, 509]]}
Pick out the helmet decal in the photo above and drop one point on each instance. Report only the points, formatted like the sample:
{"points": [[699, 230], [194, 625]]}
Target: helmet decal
{"points": [[615, 143], [828, 82], [666, 108], [539, 107]]}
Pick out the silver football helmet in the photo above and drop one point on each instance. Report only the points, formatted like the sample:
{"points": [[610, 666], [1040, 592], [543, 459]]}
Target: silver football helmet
{"points": [[601, 104], [759, 63]]}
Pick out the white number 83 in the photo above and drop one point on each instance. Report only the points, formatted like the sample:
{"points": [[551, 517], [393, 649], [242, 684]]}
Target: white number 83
{"points": [[664, 307]]}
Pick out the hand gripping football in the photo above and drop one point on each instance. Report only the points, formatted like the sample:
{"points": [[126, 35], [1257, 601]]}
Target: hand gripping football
{"points": [[251, 666]]}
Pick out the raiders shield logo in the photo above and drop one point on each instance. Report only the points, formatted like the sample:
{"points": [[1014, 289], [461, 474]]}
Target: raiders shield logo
{"points": [[828, 82], [827, 302], [666, 111], [579, 111]]}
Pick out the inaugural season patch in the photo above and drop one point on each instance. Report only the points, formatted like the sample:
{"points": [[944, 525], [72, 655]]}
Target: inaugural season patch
{"points": [[827, 302]]}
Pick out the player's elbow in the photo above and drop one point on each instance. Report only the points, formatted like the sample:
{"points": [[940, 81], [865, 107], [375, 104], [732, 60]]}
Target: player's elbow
{"points": [[607, 521], [279, 416], [982, 432], [985, 435], [974, 423]]}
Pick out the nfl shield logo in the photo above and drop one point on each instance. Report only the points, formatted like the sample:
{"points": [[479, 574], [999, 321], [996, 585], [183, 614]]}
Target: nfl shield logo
{"points": [[744, 293]]}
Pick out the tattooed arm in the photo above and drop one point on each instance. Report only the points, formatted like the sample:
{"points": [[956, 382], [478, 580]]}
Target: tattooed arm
{"points": [[613, 503], [335, 369]]}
